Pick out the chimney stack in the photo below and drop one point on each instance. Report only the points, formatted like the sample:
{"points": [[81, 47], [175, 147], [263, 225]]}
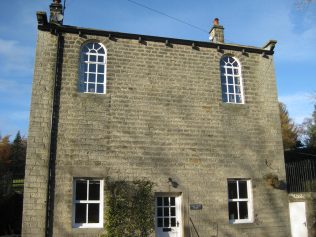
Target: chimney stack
{"points": [[217, 32], [56, 12]]}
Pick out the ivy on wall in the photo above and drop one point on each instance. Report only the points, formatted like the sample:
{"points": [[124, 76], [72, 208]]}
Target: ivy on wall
{"points": [[129, 208]]}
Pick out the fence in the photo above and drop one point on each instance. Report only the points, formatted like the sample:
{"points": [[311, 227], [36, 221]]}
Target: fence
{"points": [[301, 176], [10, 183], [5, 184]]}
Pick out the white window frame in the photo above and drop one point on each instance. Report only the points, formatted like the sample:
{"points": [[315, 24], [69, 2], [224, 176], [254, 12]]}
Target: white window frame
{"points": [[84, 75], [249, 201], [100, 202], [234, 76]]}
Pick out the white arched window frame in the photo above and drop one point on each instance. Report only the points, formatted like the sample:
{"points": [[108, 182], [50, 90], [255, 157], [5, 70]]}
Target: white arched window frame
{"points": [[231, 80], [92, 68]]}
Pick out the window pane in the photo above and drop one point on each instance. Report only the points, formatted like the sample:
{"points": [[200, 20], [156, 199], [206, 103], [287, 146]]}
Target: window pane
{"points": [[166, 211], [229, 71], [224, 89], [232, 190], [166, 222], [224, 97], [101, 50], [85, 67], [232, 210], [92, 77], [237, 89], [231, 89], [230, 80], [97, 46], [235, 64], [243, 210], [100, 59], [173, 211], [80, 211], [166, 201], [100, 78], [91, 87], [173, 222], [100, 68], [81, 190], [231, 98], [85, 57], [237, 80], [85, 49], [243, 189], [159, 201], [236, 71], [223, 61], [159, 211], [223, 79], [222, 69], [85, 77], [94, 190], [238, 99], [100, 88], [89, 45], [172, 201], [159, 222], [92, 67], [82, 87], [93, 58], [93, 213]]}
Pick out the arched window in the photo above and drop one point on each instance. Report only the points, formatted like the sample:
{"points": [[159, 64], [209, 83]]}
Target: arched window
{"points": [[92, 68], [232, 91]]}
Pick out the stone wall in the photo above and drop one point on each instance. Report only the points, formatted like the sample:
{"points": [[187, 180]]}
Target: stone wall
{"points": [[162, 117], [35, 184]]}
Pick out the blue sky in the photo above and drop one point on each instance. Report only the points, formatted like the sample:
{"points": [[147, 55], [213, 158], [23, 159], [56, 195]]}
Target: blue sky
{"points": [[248, 22]]}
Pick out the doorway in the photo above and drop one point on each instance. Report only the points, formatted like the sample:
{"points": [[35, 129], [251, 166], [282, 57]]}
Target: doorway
{"points": [[168, 215], [298, 219]]}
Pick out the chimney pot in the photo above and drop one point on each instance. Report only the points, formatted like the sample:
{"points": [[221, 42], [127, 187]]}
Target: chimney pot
{"points": [[56, 12], [217, 32]]}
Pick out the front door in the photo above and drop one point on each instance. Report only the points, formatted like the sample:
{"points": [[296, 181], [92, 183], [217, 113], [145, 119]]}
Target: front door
{"points": [[298, 219], [168, 216]]}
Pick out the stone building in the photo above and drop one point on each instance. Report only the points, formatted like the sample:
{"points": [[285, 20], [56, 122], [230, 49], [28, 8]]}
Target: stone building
{"points": [[203, 115]]}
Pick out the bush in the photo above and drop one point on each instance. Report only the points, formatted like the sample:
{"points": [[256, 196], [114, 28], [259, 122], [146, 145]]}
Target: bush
{"points": [[130, 208]]}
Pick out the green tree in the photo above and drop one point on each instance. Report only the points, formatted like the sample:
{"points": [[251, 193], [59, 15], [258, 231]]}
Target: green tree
{"points": [[288, 128], [18, 154]]}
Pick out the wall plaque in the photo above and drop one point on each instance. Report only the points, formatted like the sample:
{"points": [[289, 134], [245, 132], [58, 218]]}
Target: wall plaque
{"points": [[196, 206]]}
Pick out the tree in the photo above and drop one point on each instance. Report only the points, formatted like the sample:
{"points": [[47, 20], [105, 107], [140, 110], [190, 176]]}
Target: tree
{"points": [[288, 128], [4, 154], [18, 154], [310, 130]]}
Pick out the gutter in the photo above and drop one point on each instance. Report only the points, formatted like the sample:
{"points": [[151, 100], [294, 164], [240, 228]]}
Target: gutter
{"points": [[267, 49], [53, 136]]}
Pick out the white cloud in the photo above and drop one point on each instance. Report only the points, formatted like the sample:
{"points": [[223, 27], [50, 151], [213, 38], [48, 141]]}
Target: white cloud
{"points": [[294, 29], [15, 57], [299, 105], [15, 87]]}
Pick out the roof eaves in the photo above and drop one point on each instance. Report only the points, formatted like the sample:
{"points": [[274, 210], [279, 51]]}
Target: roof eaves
{"points": [[220, 46]]}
